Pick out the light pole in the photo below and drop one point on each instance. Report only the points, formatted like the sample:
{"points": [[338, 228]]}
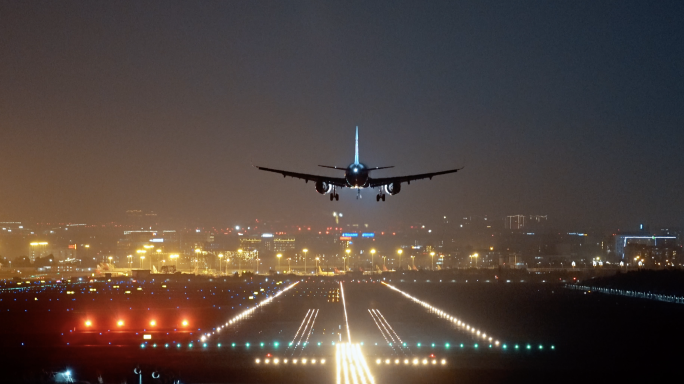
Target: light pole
{"points": [[432, 260], [475, 257], [317, 258], [399, 251], [279, 256], [413, 261], [344, 261], [289, 270], [305, 251], [220, 256], [239, 258], [383, 263], [174, 257], [372, 266], [130, 262], [141, 252], [110, 259], [196, 259]]}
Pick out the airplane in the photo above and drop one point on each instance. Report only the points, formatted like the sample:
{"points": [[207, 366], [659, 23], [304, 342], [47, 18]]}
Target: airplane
{"points": [[357, 176]]}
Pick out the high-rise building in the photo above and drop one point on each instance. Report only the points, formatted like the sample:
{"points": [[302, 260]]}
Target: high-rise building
{"points": [[515, 222]]}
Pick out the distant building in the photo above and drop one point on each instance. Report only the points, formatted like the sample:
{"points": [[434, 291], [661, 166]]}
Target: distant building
{"points": [[268, 242], [625, 242], [515, 222]]}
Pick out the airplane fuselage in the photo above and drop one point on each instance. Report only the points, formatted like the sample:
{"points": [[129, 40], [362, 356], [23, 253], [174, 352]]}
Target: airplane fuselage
{"points": [[356, 176]]}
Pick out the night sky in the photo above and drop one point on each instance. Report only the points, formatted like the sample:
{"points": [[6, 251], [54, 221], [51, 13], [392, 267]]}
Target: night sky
{"points": [[570, 109]]}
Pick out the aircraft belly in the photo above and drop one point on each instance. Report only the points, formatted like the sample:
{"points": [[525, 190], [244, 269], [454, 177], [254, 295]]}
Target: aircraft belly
{"points": [[357, 181]]}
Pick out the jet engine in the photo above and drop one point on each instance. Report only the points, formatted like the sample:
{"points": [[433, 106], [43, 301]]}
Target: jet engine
{"points": [[323, 188], [392, 188]]}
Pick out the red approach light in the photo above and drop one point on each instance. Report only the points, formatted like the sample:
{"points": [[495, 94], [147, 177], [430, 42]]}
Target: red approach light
{"points": [[432, 355], [268, 355]]}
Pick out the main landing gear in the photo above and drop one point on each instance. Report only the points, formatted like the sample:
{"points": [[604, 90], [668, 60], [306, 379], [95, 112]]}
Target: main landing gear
{"points": [[334, 195]]}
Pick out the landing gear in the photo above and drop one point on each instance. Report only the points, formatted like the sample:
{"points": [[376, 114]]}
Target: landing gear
{"points": [[358, 194], [334, 195], [380, 196]]}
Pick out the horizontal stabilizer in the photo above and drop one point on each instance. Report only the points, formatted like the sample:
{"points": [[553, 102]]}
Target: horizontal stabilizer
{"points": [[376, 168], [330, 166]]}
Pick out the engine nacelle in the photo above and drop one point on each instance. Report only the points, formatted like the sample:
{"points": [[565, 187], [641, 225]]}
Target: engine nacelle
{"points": [[392, 188], [323, 188]]}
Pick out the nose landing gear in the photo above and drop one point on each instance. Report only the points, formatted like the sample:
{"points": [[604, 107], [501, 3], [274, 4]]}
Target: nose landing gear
{"points": [[380, 196]]}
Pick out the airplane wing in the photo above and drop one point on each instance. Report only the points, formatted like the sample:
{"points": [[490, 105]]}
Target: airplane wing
{"points": [[336, 181], [373, 182]]}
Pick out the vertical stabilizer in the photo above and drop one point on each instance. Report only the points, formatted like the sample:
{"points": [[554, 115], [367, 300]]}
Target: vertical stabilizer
{"points": [[356, 153]]}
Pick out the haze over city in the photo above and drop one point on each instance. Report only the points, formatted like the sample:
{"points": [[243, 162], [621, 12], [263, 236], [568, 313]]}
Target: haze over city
{"points": [[568, 110]]}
